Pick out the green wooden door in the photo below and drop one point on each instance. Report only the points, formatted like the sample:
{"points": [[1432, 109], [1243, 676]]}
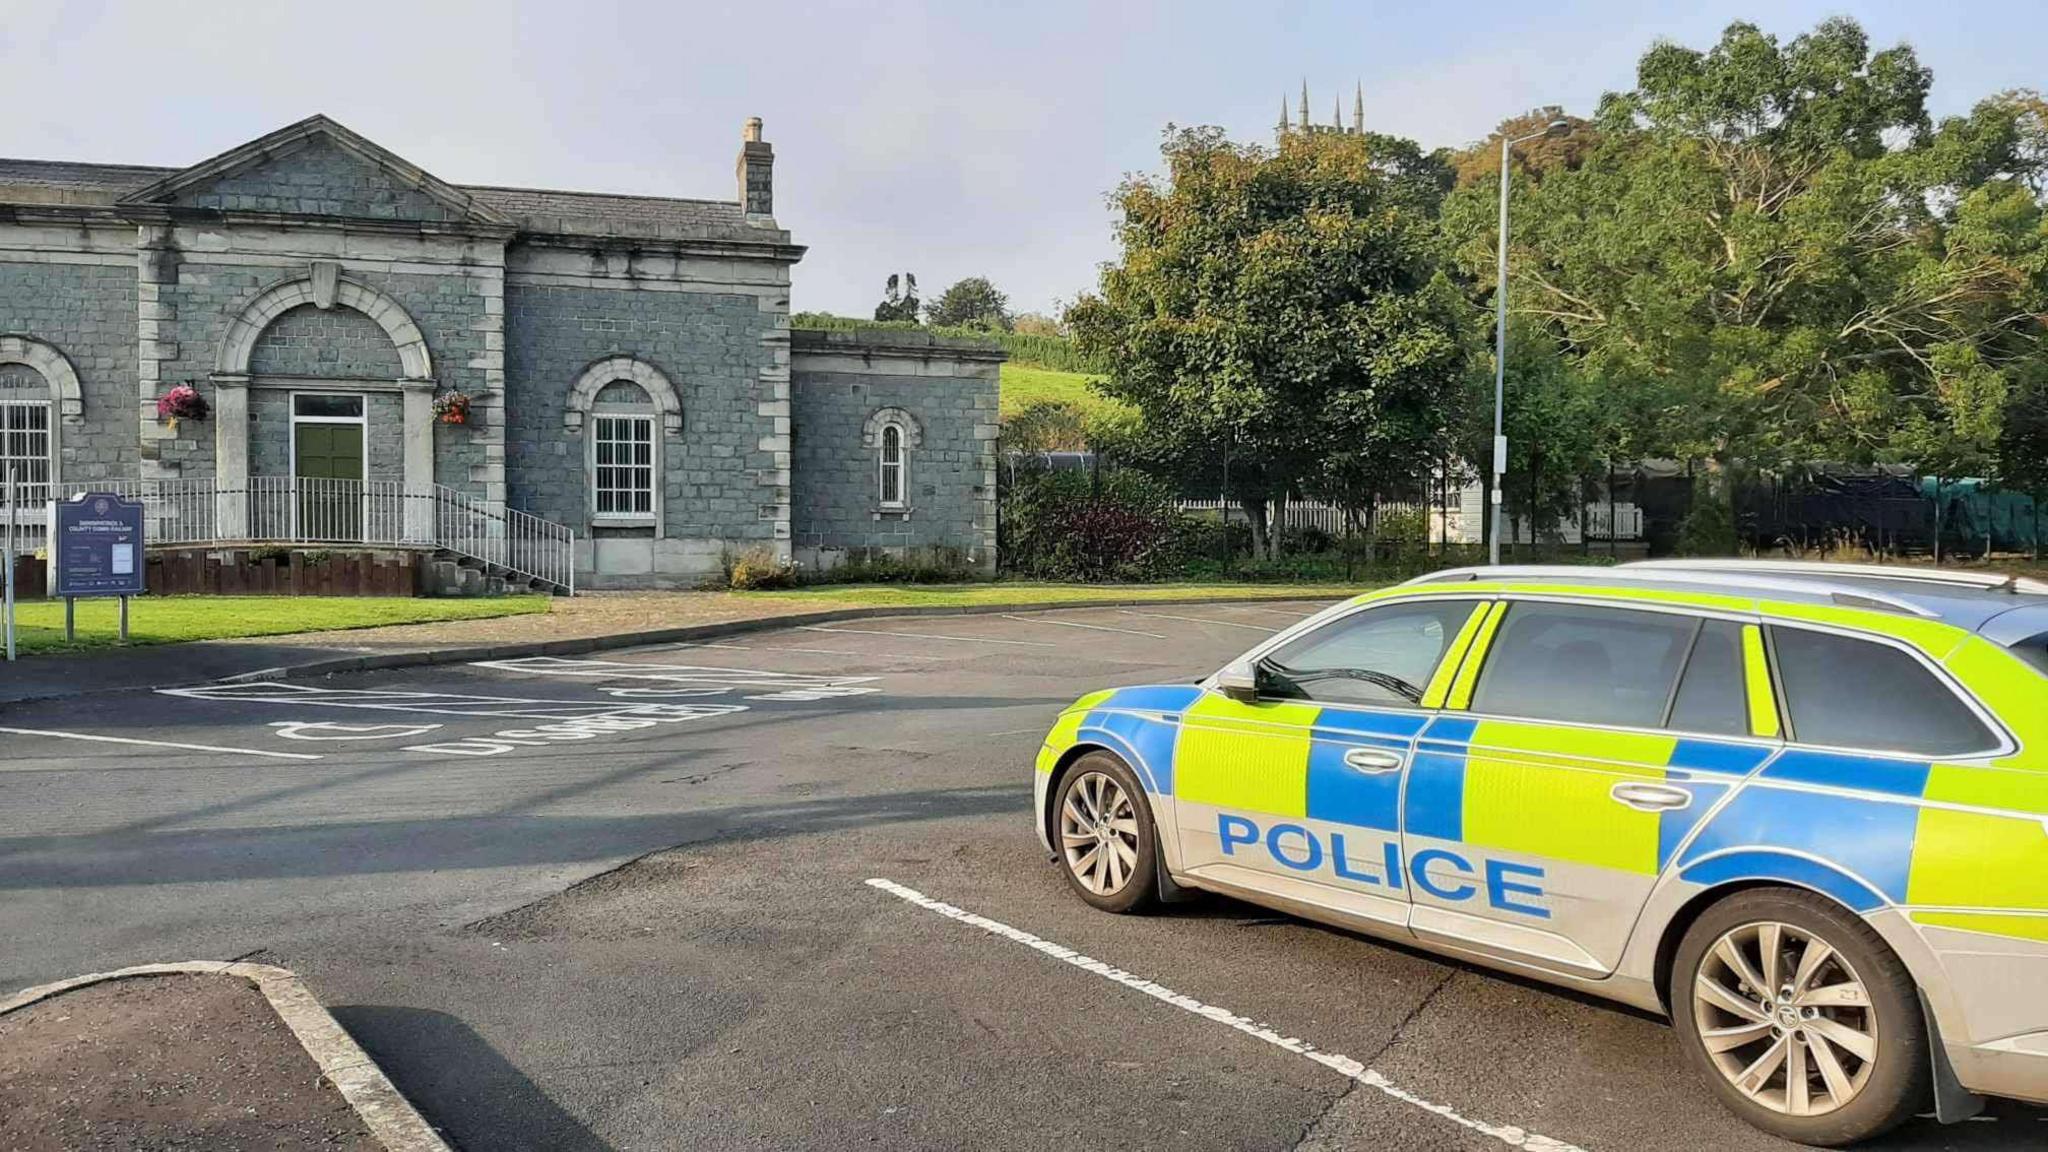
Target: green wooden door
{"points": [[328, 463]]}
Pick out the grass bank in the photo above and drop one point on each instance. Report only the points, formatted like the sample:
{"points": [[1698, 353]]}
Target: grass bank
{"points": [[174, 619], [1024, 386]]}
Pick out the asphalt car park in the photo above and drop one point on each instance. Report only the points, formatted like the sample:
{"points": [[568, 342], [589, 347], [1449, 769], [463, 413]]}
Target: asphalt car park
{"points": [[782, 891]]}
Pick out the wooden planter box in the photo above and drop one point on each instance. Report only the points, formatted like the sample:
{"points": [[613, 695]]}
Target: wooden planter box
{"points": [[274, 572]]}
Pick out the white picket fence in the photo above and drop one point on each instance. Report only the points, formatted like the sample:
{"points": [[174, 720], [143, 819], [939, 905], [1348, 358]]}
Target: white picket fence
{"points": [[305, 510]]}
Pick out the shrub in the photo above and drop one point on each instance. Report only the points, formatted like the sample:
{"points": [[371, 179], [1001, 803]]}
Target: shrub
{"points": [[1122, 525], [756, 570], [1709, 529]]}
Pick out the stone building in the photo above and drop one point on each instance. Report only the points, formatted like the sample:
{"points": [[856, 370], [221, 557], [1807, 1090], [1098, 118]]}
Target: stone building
{"points": [[551, 382]]}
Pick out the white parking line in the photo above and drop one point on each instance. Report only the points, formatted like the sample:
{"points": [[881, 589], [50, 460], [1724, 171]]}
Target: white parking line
{"points": [[1199, 620], [843, 652], [1090, 627], [925, 636], [159, 744], [1512, 1136]]}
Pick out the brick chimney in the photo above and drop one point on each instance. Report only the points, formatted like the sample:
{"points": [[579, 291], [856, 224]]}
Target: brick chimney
{"points": [[755, 171]]}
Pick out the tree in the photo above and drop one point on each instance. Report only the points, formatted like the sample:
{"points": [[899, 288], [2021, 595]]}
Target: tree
{"points": [[1037, 324], [899, 300], [1531, 159], [970, 303], [1279, 319], [1782, 258]]}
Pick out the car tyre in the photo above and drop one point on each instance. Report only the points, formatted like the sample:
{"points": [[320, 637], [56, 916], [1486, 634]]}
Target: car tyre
{"points": [[1833, 1005], [1103, 835]]}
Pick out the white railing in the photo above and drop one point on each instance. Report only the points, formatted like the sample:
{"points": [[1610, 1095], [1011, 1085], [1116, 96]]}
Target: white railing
{"points": [[306, 510]]}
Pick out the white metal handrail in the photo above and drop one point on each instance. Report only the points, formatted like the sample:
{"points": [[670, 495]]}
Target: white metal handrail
{"points": [[311, 510]]}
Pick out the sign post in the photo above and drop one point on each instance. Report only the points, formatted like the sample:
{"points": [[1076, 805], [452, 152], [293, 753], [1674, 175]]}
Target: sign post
{"points": [[96, 542]]}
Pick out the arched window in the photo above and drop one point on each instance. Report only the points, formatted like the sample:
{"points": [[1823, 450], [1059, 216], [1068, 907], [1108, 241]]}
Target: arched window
{"points": [[624, 471], [891, 466], [894, 434]]}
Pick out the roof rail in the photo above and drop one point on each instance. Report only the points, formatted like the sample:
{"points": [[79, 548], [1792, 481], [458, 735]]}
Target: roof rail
{"points": [[1767, 585], [1820, 570]]}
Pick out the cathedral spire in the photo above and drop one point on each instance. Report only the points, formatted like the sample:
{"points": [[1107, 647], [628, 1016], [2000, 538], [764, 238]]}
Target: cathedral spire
{"points": [[1357, 110], [1336, 114], [1281, 128], [1304, 104]]}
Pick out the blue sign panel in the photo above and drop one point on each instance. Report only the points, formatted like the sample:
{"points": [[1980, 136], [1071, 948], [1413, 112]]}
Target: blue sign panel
{"points": [[97, 546]]}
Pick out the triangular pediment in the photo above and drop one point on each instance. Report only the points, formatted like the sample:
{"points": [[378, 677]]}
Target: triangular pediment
{"points": [[316, 167]]}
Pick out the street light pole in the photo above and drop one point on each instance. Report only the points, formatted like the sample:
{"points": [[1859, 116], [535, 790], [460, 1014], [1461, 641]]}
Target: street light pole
{"points": [[1500, 337]]}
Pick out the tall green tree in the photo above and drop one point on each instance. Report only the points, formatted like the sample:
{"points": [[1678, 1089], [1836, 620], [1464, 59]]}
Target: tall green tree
{"points": [[899, 299], [970, 303], [1780, 258], [1280, 316]]}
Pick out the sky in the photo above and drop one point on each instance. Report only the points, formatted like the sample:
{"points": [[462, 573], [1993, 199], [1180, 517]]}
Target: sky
{"points": [[947, 140]]}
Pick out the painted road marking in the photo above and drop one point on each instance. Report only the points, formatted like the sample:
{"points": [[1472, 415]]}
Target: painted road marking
{"points": [[927, 636], [693, 679], [329, 730], [1513, 1137], [1200, 620], [1077, 624], [561, 720], [160, 744], [864, 655]]}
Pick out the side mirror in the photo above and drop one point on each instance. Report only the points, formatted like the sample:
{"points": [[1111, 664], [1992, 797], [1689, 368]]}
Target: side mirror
{"points": [[1239, 680]]}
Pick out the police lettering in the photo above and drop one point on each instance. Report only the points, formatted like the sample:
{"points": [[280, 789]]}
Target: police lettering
{"points": [[1438, 872]]}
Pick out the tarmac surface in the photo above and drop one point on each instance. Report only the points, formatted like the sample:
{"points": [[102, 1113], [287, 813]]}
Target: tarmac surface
{"points": [[781, 892]]}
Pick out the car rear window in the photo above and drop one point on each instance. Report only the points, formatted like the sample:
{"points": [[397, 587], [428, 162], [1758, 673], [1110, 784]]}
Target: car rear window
{"points": [[1849, 693], [2034, 650], [1584, 665]]}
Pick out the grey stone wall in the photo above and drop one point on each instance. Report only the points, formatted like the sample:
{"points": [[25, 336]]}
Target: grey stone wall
{"points": [[449, 309], [307, 341], [87, 312], [319, 179], [840, 380], [709, 345]]}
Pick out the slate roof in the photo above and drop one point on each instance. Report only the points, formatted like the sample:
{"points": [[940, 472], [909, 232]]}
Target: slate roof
{"points": [[60, 182]]}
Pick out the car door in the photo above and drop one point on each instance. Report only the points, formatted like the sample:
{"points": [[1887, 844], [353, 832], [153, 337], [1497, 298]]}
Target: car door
{"points": [[1297, 793], [1580, 748]]}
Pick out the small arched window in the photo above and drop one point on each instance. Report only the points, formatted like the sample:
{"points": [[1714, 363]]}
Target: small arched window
{"points": [[892, 466]]}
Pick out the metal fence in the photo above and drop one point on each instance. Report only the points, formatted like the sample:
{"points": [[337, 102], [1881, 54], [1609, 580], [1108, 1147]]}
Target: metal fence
{"points": [[305, 510], [1456, 523]]}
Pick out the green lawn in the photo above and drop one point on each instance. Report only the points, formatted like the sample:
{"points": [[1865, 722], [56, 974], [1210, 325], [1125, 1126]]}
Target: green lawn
{"points": [[1023, 387], [170, 619], [1023, 592]]}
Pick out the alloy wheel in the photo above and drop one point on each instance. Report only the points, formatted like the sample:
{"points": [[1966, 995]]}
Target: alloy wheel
{"points": [[1785, 1018], [1099, 834]]}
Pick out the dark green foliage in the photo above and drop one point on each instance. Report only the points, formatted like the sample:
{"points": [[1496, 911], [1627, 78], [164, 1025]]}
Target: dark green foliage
{"points": [[970, 303], [899, 300], [1071, 525]]}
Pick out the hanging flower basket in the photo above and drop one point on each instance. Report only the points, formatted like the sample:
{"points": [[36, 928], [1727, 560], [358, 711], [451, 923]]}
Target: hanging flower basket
{"points": [[181, 403], [452, 408]]}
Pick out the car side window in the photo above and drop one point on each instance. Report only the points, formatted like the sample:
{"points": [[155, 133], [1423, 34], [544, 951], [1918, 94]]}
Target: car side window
{"points": [[1848, 693], [1712, 698], [1383, 655], [1584, 665]]}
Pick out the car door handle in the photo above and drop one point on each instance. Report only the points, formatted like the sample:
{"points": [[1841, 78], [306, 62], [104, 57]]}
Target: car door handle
{"points": [[1651, 797], [1373, 760]]}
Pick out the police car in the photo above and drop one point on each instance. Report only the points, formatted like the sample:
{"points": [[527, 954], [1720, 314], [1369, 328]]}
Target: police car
{"points": [[1801, 809]]}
